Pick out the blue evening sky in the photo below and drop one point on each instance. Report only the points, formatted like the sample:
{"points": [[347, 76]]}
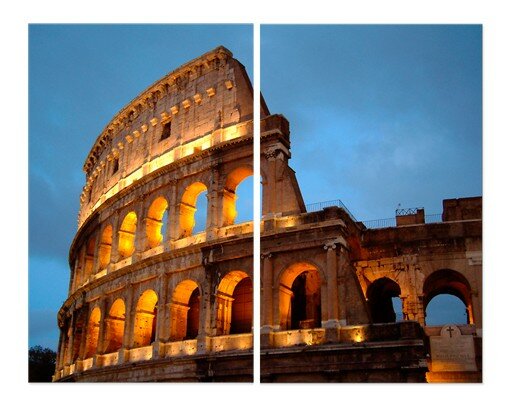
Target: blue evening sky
{"points": [[80, 76], [379, 115]]}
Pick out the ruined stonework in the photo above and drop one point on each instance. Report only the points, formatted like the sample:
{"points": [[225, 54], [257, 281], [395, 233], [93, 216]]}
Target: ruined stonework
{"points": [[328, 283], [151, 299]]}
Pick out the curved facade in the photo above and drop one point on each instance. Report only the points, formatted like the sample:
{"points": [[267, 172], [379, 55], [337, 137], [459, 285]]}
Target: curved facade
{"points": [[152, 297], [155, 298]]}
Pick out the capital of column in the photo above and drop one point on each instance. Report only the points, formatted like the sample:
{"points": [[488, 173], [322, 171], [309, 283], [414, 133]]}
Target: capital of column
{"points": [[265, 255], [330, 246]]}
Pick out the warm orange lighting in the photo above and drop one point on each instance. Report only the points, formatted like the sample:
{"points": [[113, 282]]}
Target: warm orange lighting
{"points": [[105, 247], [229, 194], [127, 235], [154, 221], [115, 326], [92, 332], [187, 208], [145, 316]]}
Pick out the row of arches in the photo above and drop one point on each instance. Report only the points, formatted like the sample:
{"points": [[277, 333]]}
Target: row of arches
{"points": [[108, 331], [165, 221], [446, 299]]}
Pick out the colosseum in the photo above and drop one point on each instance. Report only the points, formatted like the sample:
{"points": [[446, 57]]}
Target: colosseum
{"points": [[151, 299]]}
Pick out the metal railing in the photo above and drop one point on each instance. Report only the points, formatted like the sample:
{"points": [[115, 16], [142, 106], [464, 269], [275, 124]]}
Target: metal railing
{"points": [[392, 222], [330, 203], [399, 212], [375, 223]]}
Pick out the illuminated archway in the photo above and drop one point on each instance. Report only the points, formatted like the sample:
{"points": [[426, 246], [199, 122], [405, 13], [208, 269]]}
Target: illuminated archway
{"points": [[187, 208], [105, 247], [92, 335], [447, 282], [89, 257], [300, 297], [380, 296], [115, 322], [127, 235], [145, 320], [185, 311], [234, 179], [238, 318], [155, 217]]}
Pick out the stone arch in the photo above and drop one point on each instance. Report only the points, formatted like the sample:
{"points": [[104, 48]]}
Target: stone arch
{"points": [[187, 208], [300, 296], [127, 235], [185, 311], [232, 181], [105, 247], [227, 296], [92, 336], [145, 319], [448, 281], [154, 221], [115, 324], [89, 257], [379, 296]]}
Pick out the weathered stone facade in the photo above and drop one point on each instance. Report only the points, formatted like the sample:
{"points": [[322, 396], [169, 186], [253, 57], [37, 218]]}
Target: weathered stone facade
{"points": [[328, 283], [149, 302], [150, 299]]}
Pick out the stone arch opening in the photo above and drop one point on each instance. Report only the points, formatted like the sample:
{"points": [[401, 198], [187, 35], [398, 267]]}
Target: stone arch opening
{"points": [[188, 208], [237, 182], [115, 323], [155, 220], [105, 247], [145, 319], [185, 311], [89, 257], [447, 282], [380, 296], [127, 235], [300, 297], [92, 336], [234, 304]]}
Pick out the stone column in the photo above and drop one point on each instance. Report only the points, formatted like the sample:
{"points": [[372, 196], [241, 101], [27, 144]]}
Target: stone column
{"points": [[173, 228], [70, 341], [214, 205], [140, 231], [128, 325], [206, 327], [343, 271], [269, 204], [114, 253], [267, 300], [332, 285], [102, 326], [161, 328]]}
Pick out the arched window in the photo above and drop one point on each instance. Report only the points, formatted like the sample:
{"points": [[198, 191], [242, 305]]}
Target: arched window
{"points": [[382, 294], [236, 184], [185, 311], [155, 220], [115, 322], [89, 257], [447, 298], [92, 335], [300, 297], [234, 304], [105, 247], [145, 320], [188, 208], [127, 235]]}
